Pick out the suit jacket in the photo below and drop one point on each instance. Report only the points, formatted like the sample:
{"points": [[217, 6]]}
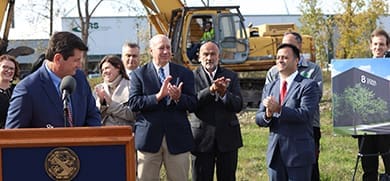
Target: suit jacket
{"points": [[118, 112], [36, 103], [292, 130], [307, 69], [216, 121], [157, 119]]}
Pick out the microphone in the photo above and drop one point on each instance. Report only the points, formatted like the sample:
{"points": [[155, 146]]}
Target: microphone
{"points": [[67, 86]]}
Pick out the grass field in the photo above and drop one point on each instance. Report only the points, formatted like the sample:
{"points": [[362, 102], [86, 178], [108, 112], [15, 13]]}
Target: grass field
{"points": [[337, 157]]}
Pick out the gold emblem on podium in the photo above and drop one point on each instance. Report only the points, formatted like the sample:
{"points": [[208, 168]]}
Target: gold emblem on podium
{"points": [[62, 164]]}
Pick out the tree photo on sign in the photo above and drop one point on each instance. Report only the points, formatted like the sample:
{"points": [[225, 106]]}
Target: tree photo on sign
{"points": [[361, 99], [363, 105]]}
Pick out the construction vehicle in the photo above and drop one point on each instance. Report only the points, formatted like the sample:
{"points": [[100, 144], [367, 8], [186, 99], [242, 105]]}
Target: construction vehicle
{"points": [[251, 49], [7, 14]]}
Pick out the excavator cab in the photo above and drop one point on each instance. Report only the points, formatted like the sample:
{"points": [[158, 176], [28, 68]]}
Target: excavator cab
{"points": [[241, 50], [200, 25], [232, 39]]}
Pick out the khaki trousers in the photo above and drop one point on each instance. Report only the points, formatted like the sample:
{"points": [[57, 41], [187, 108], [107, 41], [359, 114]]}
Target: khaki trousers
{"points": [[149, 164]]}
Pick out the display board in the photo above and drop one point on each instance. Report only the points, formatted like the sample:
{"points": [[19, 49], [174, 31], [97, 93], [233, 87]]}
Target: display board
{"points": [[361, 96]]}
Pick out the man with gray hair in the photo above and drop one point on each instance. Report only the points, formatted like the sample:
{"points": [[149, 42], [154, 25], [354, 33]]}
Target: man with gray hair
{"points": [[162, 93], [130, 56]]}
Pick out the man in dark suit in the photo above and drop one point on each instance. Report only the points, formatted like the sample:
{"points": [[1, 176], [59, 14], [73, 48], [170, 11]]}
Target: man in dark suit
{"points": [[371, 146], [130, 56], [214, 124], [36, 101], [162, 93], [290, 153]]}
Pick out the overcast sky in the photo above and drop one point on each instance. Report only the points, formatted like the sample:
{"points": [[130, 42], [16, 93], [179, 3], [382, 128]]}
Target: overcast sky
{"points": [[25, 30]]}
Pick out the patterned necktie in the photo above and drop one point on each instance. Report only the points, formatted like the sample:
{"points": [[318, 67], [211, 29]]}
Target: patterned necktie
{"points": [[211, 76], [70, 119], [283, 92], [161, 74]]}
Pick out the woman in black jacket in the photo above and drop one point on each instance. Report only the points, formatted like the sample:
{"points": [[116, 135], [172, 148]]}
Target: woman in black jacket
{"points": [[9, 71]]}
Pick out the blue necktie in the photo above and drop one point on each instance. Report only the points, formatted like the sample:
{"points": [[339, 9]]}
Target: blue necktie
{"points": [[161, 75]]}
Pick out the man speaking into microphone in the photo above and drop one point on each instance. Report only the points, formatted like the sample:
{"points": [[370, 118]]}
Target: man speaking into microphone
{"points": [[37, 100]]}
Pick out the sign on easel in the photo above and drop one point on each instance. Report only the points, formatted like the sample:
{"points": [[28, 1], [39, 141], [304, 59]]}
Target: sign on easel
{"points": [[361, 96]]}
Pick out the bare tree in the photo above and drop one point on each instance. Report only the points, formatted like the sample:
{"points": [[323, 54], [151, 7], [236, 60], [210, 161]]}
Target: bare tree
{"points": [[41, 14], [84, 23]]}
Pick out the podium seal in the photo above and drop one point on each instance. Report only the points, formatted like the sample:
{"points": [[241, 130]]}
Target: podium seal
{"points": [[62, 164]]}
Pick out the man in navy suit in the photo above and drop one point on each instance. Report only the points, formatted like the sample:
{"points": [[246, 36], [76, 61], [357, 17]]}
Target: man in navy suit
{"points": [[162, 93], [37, 102], [310, 70], [290, 153]]}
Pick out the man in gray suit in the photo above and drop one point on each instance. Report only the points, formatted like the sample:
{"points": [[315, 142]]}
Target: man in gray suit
{"points": [[290, 154], [214, 124]]}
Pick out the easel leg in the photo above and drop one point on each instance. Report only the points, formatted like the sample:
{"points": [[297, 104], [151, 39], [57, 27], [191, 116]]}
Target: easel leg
{"points": [[359, 155]]}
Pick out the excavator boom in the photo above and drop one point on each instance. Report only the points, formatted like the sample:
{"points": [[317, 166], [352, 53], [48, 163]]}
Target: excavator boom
{"points": [[7, 13], [160, 13]]}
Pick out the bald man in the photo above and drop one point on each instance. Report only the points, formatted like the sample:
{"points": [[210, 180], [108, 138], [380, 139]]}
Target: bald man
{"points": [[214, 124], [162, 93]]}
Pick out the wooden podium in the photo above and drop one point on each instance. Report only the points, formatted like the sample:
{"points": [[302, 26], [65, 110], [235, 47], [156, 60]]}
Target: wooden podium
{"points": [[78, 153]]}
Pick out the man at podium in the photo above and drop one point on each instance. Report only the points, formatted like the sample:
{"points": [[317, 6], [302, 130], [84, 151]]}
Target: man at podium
{"points": [[38, 100]]}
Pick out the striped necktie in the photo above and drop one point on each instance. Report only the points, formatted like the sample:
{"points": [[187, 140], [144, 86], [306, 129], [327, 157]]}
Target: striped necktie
{"points": [[161, 74], [69, 115]]}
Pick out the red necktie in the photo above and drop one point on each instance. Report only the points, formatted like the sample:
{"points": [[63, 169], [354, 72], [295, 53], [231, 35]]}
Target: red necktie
{"points": [[283, 92], [70, 119]]}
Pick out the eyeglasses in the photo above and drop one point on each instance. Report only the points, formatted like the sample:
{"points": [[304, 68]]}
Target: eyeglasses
{"points": [[5, 67]]}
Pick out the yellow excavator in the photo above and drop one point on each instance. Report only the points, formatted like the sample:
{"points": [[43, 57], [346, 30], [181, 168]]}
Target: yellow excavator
{"points": [[7, 14], [242, 49]]}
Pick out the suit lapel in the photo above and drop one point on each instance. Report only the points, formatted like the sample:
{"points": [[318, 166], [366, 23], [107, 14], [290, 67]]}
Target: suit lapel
{"points": [[152, 76], [276, 90], [50, 91], [174, 73], [219, 72], [293, 87], [201, 74]]}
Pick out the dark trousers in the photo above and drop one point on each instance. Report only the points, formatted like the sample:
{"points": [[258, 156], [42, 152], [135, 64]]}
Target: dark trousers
{"points": [[315, 175], [277, 171], [373, 145], [203, 165]]}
